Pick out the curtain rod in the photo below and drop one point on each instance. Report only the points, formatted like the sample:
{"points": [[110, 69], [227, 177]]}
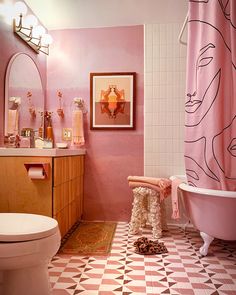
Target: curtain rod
{"points": [[182, 31]]}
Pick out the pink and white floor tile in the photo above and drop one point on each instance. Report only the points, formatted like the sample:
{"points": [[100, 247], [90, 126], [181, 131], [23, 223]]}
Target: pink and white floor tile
{"points": [[180, 271]]}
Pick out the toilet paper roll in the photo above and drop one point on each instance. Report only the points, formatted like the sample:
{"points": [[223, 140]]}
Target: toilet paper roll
{"points": [[36, 173]]}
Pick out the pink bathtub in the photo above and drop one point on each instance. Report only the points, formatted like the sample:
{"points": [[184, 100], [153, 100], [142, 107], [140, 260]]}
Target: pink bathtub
{"points": [[212, 212]]}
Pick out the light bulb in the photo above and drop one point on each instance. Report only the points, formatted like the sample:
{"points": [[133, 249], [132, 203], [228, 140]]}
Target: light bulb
{"points": [[2, 9], [20, 8], [7, 12], [46, 39], [38, 31], [30, 21]]}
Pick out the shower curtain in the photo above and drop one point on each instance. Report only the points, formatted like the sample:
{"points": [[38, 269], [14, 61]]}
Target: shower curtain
{"points": [[210, 106]]}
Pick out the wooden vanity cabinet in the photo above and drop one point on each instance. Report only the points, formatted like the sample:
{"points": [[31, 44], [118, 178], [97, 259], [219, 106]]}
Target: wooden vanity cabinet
{"points": [[60, 195], [18, 193], [68, 191]]}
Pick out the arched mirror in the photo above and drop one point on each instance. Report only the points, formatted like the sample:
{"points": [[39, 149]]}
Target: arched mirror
{"points": [[24, 96]]}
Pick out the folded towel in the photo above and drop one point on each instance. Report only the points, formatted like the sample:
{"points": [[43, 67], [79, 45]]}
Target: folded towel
{"points": [[174, 197], [161, 182], [78, 127], [164, 189], [12, 122]]}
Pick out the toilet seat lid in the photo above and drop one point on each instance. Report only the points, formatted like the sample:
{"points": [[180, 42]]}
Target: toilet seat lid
{"points": [[18, 227]]}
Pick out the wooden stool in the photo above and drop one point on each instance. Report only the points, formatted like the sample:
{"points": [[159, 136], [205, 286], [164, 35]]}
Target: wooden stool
{"points": [[147, 208]]}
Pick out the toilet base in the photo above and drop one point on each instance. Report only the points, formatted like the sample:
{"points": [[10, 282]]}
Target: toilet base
{"points": [[26, 281]]}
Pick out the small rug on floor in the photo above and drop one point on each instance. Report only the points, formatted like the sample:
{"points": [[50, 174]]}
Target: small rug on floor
{"points": [[89, 239]]}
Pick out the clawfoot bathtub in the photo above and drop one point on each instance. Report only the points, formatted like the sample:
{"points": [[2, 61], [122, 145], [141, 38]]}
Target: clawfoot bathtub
{"points": [[212, 212]]}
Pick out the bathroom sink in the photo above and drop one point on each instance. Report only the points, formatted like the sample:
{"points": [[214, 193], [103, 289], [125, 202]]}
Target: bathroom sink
{"points": [[34, 152]]}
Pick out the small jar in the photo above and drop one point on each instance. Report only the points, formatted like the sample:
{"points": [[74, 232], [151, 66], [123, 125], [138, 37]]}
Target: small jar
{"points": [[25, 142], [27, 133]]}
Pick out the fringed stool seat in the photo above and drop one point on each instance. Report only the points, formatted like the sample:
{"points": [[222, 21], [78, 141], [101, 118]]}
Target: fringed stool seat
{"points": [[148, 205]]}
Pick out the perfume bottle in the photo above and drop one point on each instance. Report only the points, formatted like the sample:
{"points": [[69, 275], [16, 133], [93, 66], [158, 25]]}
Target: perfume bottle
{"points": [[49, 130], [40, 131]]}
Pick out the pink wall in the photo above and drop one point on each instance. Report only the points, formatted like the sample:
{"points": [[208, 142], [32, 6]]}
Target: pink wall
{"points": [[11, 44], [111, 155]]}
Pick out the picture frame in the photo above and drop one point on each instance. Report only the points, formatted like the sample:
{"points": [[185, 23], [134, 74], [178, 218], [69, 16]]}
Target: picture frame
{"points": [[112, 101]]}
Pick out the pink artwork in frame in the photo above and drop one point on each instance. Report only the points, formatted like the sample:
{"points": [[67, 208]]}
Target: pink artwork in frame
{"points": [[112, 98]]}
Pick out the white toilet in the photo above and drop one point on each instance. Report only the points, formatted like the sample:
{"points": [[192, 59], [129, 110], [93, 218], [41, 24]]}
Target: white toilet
{"points": [[27, 244]]}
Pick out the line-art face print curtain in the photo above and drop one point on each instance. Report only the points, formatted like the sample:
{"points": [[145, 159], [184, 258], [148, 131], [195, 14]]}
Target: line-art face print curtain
{"points": [[210, 108]]}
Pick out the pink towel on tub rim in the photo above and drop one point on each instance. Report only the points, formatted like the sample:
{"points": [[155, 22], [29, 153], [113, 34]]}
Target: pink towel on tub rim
{"points": [[175, 182]]}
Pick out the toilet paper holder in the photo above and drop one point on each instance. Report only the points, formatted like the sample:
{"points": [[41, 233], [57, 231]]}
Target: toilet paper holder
{"points": [[45, 167]]}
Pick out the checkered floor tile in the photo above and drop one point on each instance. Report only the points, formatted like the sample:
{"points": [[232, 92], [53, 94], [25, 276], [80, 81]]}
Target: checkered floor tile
{"points": [[180, 271]]}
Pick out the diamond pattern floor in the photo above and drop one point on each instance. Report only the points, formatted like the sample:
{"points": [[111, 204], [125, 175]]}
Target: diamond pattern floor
{"points": [[180, 271]]}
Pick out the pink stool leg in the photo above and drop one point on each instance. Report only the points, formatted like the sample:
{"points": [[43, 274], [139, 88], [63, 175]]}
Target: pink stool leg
{"points": [[155, 213], [137, 211], [163, 216], [147, 206], [144, 214]]}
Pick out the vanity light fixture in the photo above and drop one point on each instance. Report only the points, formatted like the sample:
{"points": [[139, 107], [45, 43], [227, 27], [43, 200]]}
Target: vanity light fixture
{"points": [[26, 27]]}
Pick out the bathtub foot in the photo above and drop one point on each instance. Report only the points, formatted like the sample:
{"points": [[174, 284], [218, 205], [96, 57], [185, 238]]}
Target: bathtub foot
{"points": [[207, 241]]}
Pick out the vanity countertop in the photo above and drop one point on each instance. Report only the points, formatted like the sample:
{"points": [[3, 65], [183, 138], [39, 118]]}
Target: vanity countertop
{"points": [[34, 152]]}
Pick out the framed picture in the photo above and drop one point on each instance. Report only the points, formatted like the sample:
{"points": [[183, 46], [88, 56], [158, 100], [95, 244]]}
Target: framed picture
{"points": [[112, 100]]}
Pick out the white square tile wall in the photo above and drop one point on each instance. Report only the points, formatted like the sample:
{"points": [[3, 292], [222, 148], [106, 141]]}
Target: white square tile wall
{"points": [[165, 73], [165, 63]]}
